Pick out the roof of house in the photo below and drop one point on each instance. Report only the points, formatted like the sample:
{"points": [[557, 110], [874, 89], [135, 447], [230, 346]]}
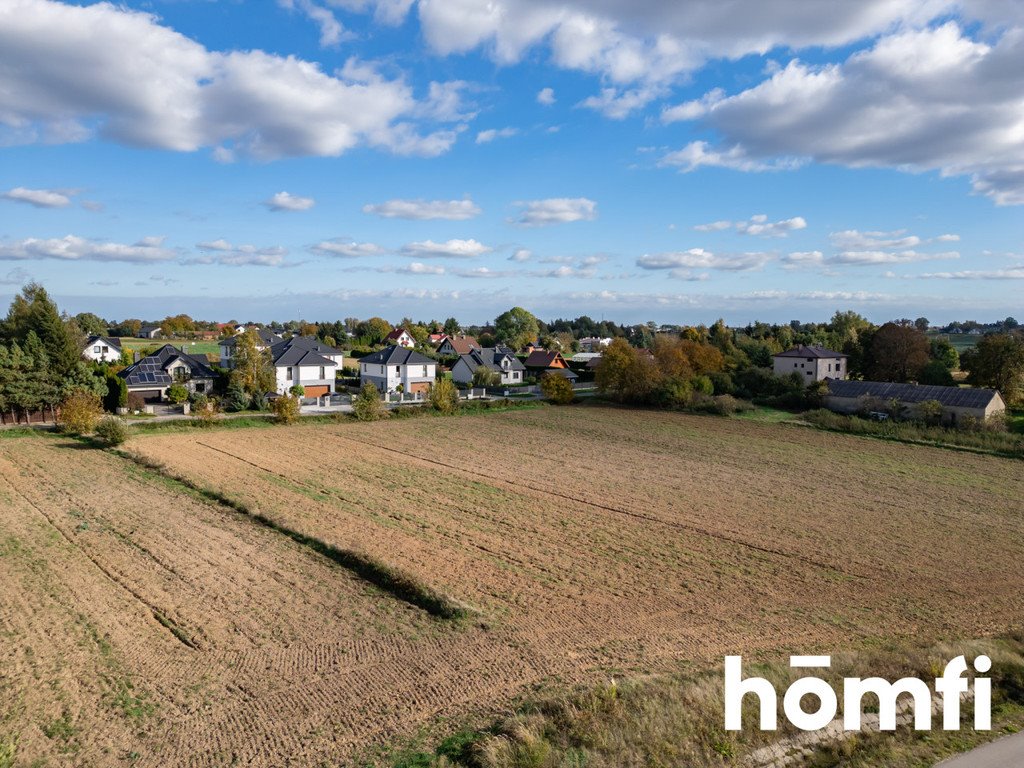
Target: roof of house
{"points": [[152, 369], [959, 397], [116, 343], [396, 334], [266, 337], [149, 328], [805, 351], [570, 375], [395, 355], [463, 345], [543, 358], [492, 357], [302, 350]]}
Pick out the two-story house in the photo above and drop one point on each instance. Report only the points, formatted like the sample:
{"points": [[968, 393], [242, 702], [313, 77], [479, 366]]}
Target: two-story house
{"points": [[813, 363], [227, 346], [102, 349], [395, 369], [152, 376], [401, 337], [306, 362], [501, 360]]}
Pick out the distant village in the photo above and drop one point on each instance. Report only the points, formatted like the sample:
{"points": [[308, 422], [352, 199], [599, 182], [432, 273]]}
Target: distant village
{"points": [[962, 374]]}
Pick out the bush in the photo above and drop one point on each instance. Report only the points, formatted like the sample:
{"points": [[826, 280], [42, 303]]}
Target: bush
{"points": [[177, 393], [206, 413], [702, 385], [297, 391], [79, 413], [117, 393], [136, 402], [557, 389], [444, 396], [112, 431], [285, 409], [237, 399], [722, 383], [367, 405]]}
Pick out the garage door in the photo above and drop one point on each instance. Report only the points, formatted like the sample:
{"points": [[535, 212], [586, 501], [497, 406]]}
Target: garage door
{"points": [[149, 395], [419, 386], [318, 391]]}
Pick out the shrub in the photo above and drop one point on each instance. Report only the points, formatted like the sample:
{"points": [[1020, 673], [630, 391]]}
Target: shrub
{"points": [[367, 405], [285, 409], [557, 389], [297, 391], [79, 413], [722, 383], [136, 402], [112, 431], [206, 414], [236, 399], [702, 385], [117, 393], [444, 396], [177, 393], [675, 393], [485, 377]]}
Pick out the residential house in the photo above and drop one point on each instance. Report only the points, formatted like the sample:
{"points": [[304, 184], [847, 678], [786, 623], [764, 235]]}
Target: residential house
{"points": [[541, 360], [152, 376], [453, 346], [306, 362], [814, 363], [594, 343], [401, 337], [102, 349], [227, 346], [501, 360], [436, 338], [150, 332], [396, 367], [957, 402]]}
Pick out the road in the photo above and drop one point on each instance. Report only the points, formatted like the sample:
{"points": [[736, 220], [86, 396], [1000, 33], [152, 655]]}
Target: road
{"points": [[1004, 753]]}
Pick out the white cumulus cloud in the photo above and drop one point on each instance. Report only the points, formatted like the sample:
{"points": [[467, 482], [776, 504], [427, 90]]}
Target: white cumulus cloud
{"points": [[74, 248], [424, 210], [555, 210], [284, 201], [347, 249], [39, 198], [450, 249]]}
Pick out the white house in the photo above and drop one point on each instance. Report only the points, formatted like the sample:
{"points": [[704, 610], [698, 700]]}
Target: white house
{"points": [[813, 363], [306, 362], [401, 337], [102, 349], [395, 367], [501, 360], [150, 332]]}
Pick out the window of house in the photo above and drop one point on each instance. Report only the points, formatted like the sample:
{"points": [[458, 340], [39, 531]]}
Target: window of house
{"points": [[288, 373], [323, 373], [95, 349], [808, 373], [398, 370], [838, 367]]}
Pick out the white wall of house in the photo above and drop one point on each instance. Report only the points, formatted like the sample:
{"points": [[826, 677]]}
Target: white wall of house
{"points": [[101, 352], [387, 378], [304, 376], [811, 368]]}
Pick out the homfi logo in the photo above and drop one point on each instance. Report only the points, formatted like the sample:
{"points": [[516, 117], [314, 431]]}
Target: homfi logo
{"points": [[951, 686]]}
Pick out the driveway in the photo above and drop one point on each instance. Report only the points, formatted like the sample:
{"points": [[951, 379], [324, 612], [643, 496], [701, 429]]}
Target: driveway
{"points": [[1003, 753]]}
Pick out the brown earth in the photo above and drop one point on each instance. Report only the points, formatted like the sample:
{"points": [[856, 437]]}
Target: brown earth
{"points": [[594, 542]]}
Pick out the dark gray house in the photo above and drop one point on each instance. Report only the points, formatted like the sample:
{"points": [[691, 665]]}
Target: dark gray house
{"points": [[151, 376], [501, 360]]}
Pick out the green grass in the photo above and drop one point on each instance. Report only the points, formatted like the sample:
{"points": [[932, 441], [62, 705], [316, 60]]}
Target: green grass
{"points": [[1015, 420], [191, 347], [765, 414]]}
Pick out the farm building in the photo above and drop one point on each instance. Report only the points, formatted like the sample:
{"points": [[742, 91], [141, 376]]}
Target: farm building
{"points": [[817, 363], [149, 332], [394, 367], [151, 376], [102, 349], [501, 360], [957, 402]]}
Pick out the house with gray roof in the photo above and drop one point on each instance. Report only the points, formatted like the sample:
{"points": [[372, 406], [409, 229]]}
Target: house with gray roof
{"points": [[152, 376], [397, 369], [149, 332], [813, 363], [501, 360], [870, 396], [306, 362], [102, 349]]}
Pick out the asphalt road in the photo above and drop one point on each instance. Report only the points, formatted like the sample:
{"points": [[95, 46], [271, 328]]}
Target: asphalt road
{"points": [[1007, 752]]}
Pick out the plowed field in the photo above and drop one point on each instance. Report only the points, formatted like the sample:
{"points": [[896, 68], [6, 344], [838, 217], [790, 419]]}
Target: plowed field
{"points": [[144, 624]]}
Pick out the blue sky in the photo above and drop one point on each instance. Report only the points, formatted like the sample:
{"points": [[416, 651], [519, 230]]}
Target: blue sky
{"points": [[635, 161]]}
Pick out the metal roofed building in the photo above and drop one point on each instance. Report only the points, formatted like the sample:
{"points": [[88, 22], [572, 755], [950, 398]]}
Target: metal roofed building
{"points": [[957, 402]]}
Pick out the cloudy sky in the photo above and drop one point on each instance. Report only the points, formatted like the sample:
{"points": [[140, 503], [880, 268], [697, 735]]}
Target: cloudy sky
{"points": [[636, 160]]}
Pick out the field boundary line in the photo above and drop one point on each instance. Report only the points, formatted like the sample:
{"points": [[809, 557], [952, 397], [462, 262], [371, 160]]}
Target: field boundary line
{"points": [[615, 510]]}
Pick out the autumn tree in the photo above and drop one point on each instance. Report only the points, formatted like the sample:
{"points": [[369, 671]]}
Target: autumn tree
{"points": [[254, 367], [516, 328], [625, 373], [557, 389], [997, 362]]}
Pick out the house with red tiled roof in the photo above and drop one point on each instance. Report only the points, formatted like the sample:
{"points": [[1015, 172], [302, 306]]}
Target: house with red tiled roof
{"points": [[456, 346], [401, 338]]}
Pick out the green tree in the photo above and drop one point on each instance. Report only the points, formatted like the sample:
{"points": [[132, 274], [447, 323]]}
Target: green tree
{"points": [[516, 328], [486, 377], [367, 405], [452, 327], [944, 352], [254, 367], [557, 389], [922, 324], [936, 374], [177, 393], [374, 330], [90, 324], [443, 396], [899, 352], [236, 398], [997, 362], [33, 311]]}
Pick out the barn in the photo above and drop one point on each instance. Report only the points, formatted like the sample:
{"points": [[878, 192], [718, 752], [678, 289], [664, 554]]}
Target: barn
{"points": [[957, 402]]}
